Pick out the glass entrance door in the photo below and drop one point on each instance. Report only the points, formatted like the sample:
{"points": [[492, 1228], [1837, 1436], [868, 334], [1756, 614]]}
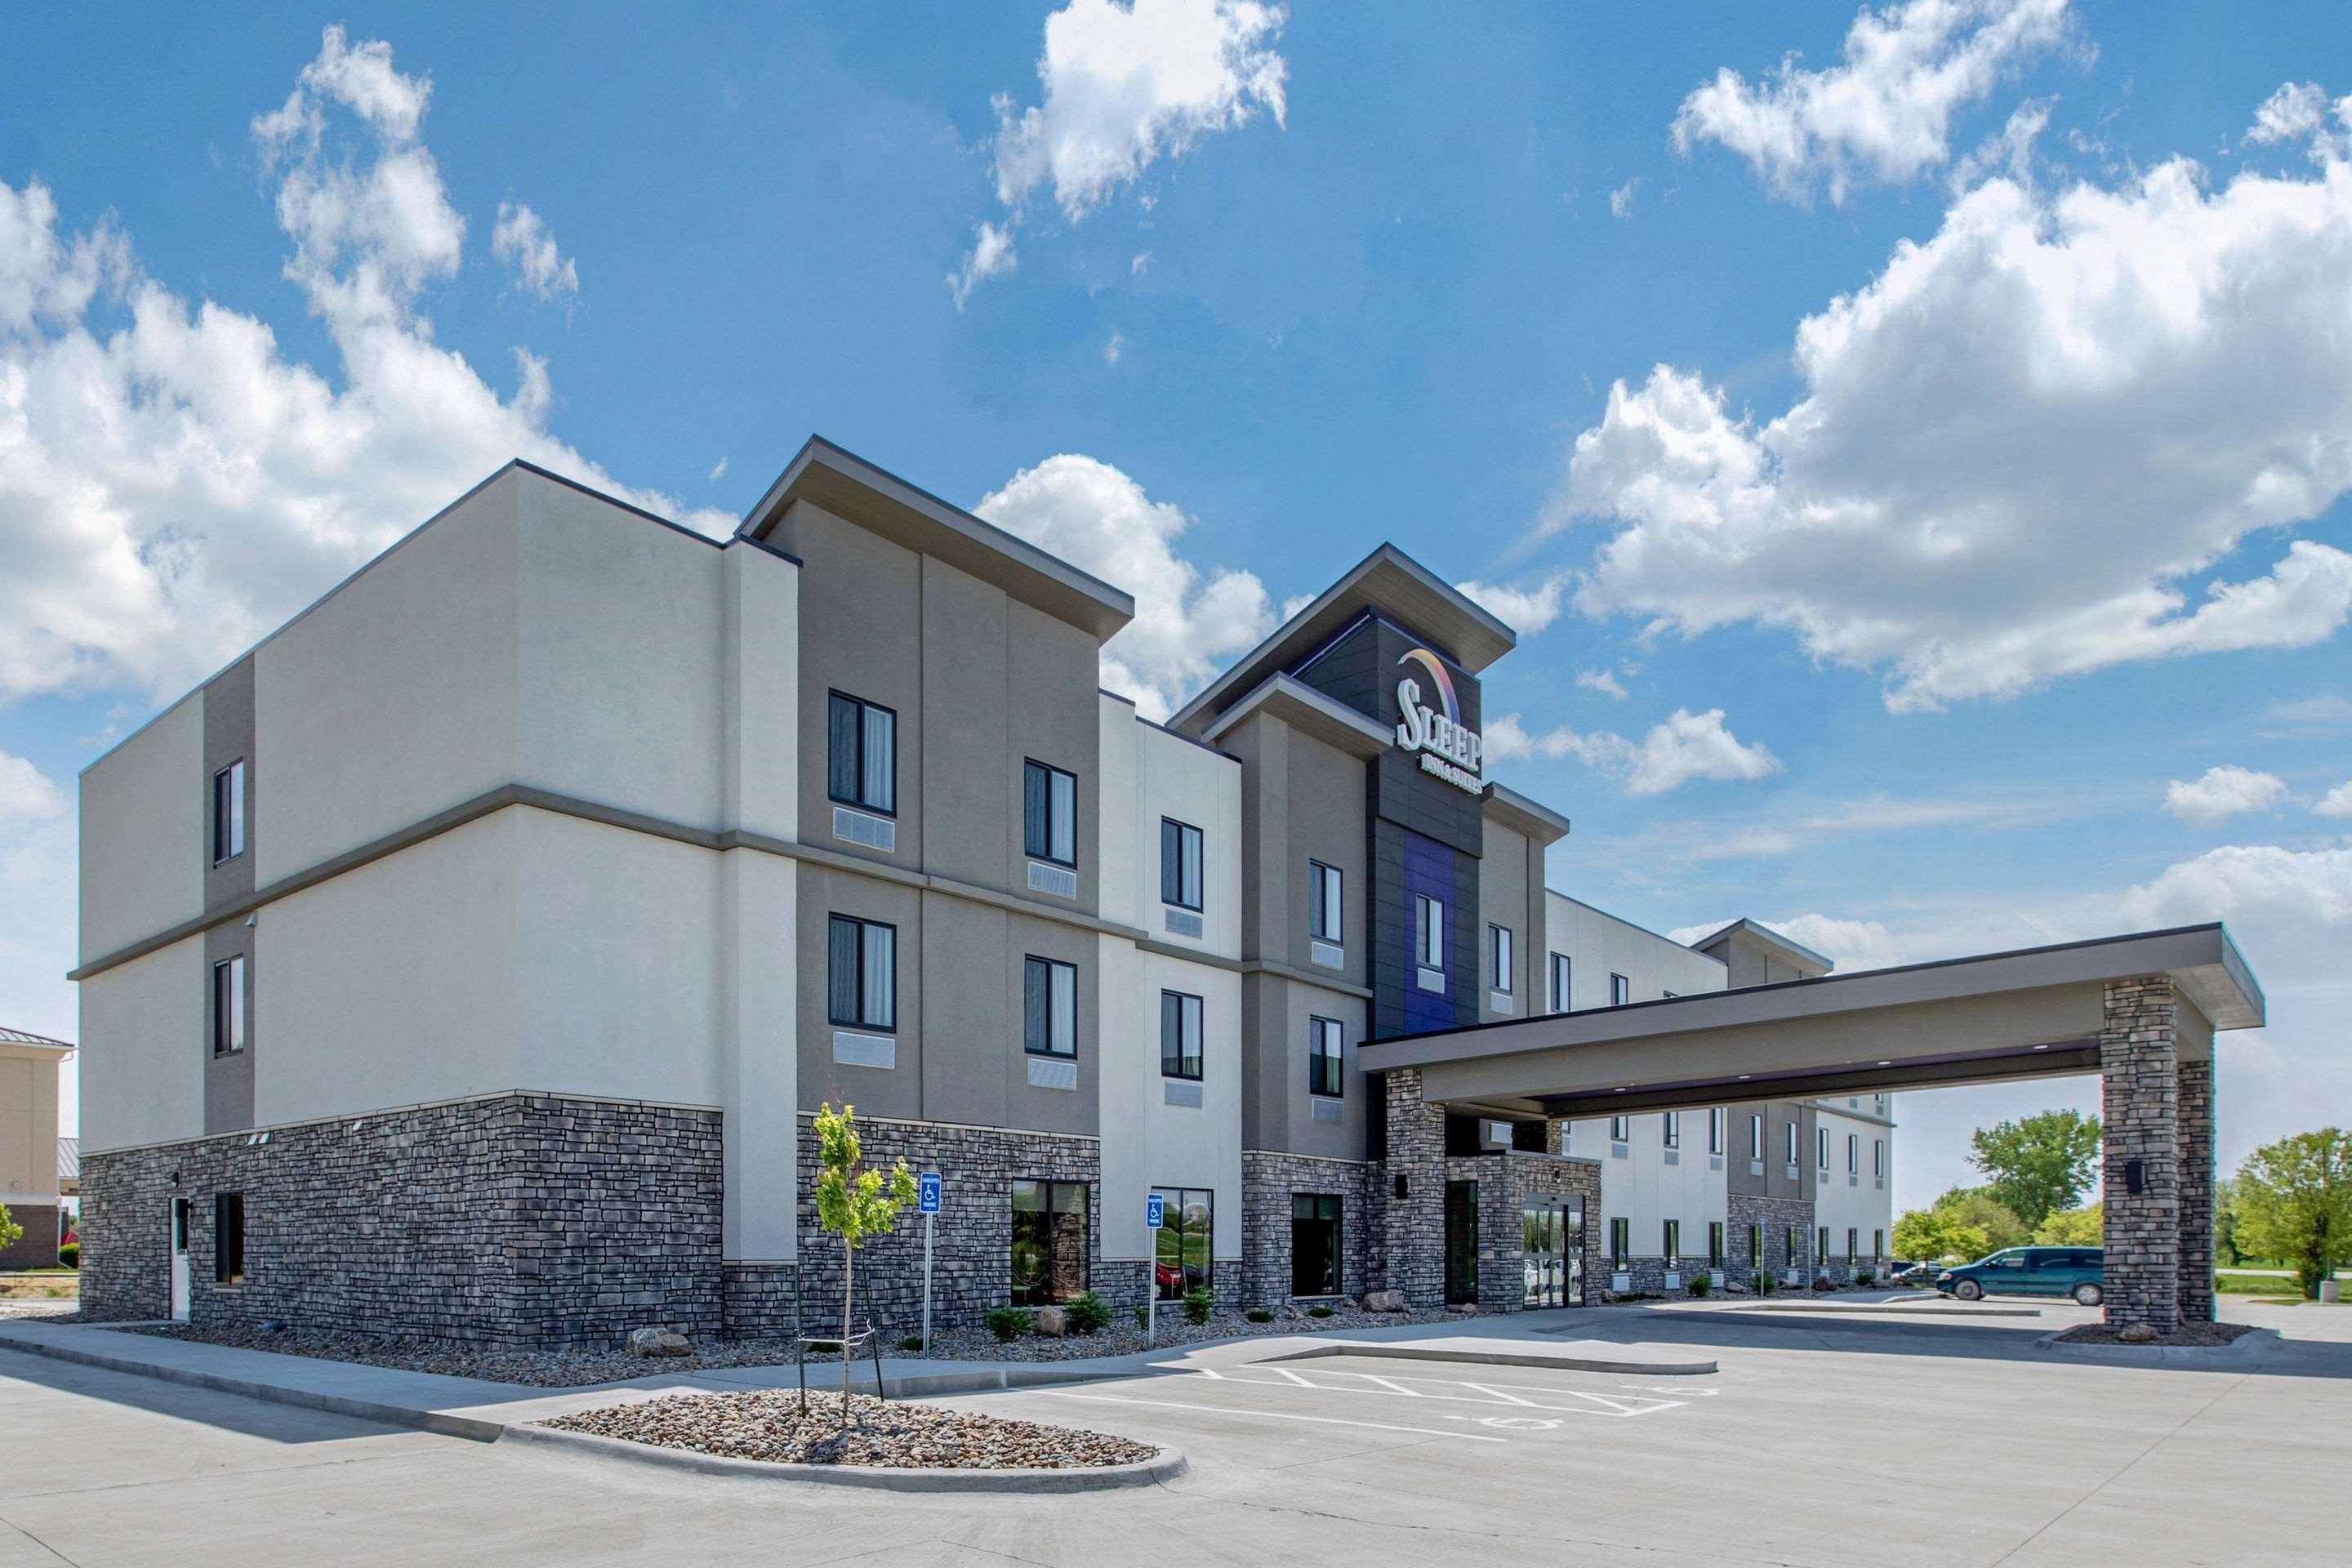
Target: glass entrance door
{"points": [[1572, 1244], [1543, 1228]]}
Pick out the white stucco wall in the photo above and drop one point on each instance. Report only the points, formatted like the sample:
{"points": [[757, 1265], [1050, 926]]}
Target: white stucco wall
{"points": [[1148, 1142], [759, 657], [1862, 1204], [1149, 775], [1644, 1189], [143, 1056], [759, 1064], [143, 806], [1599, 945]]}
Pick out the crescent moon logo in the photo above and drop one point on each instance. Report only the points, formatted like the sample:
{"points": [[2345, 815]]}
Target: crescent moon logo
{"points": [[1443, 682]]}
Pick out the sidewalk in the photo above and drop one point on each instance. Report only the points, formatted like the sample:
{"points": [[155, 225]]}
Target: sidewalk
{"points": [[483, 1411]]}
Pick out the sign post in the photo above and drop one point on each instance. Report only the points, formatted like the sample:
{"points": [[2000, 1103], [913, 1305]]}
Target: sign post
{"points": [[926, 1199], [1155, 1216]]}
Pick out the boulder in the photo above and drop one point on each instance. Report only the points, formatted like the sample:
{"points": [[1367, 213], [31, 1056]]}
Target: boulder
{"points": [[1051, 1323], [2138, 1334], [659, 1342], [1383, 1300]]}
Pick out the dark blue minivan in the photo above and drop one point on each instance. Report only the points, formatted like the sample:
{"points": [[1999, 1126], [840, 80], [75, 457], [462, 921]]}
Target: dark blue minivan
{"points": [[2076, 1272]]}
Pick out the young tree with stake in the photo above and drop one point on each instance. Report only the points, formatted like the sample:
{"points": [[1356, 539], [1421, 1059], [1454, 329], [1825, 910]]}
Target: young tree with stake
{"points": [[854, 1204]]}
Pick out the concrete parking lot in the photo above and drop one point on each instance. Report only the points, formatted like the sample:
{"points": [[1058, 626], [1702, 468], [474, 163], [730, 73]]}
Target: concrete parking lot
{"points": [[1824, 1439]]}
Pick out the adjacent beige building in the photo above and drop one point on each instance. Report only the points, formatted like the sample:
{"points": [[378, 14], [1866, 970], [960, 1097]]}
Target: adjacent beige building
{"points": [[29, 1145]]}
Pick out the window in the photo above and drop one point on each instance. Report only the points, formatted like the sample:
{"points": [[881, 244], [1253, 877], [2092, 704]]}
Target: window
{"points": [[1878, 1103], [1180, 863], [1755, 1247], [1621, 1242], [1560, 982], [1183, 1253], [862, 755], [1180, 1035], [1878, 1157], [1821, 1146], [1792, 1143], [1428, 933], [228, 1006], [1673, 1242], [862, 972], [1853, 1153], [1715, 1244], [1325, 1057], [1756, 1137], [1714, 1120], [1049, 813], [1049, 1241], [228, 812], [1049, 996], [1671, 1129], [1498, 956], [1822, 1247], [1791, 1248], [228, 1237], [1315, 1220], [1620, 1128], [1324, 909], [1877, 1244], [1620, 991], [1852, 1245]]}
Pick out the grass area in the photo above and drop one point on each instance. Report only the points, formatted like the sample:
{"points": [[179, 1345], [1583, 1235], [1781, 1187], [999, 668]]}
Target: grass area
{"points": [[2278, 1288]]}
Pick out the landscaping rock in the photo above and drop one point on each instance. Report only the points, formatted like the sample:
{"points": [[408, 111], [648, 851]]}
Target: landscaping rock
{"points": [[770, 1425], [1051, 1323], [2138, 1334], [660, 1342], [1383, 1300]]}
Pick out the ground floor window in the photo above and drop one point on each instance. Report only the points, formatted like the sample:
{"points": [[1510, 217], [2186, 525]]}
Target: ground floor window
{"points": [[1877, 1244], [1792, 1248], [1715, 1244], [1183, 1252], [1049, 1241], [1315, 1220], [228, 1237], [1673, 1242], [1852, 1245], [1822, 1247], [1621, 1241], [1755, 1247]]}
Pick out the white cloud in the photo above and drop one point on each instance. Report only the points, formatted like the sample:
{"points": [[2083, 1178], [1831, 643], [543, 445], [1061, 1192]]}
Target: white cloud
{"points": [[719, 470], [26, 792], [2337, 802], [1847, 943], [1114, 347], [1621, 200], [1883, 115], [1188, 622], [1526, 609], [37, 856], [1604, 682], [992, 252], [521, 239], [173, 487], [1141, 262], [2223, 792], [2291, 910], [2297, 109], [1677, 750], [1122, 87], [2016, 447]]}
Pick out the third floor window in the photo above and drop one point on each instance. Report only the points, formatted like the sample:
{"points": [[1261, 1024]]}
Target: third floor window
{"points": [[228, 812], [1323, 909], [1179, 863], [1049, 813], [861, 753]]}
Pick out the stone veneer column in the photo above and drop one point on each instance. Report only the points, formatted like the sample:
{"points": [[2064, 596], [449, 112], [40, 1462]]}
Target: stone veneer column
{"points": [[1412, 1227], [2196, 1117], [2140, 1076]]}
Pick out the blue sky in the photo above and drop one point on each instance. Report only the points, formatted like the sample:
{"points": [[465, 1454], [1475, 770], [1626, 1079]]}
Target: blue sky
{"points": [[1996, 336]]}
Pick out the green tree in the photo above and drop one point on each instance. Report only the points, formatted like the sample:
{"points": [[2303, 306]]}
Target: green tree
{"points": [[1932, 1236], [2294, 1202], [854, 1204], [2227, 1252], [2084, 1227], [2041, 1164], [1977, 1207], [11, 1232]]}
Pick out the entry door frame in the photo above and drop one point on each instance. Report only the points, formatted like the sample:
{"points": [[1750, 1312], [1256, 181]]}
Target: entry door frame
{"points": [[181, 1277]]}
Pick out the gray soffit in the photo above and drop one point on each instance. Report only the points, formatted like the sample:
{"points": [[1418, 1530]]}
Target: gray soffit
{"points": [[2030, 1013], [1517, 812], [1310, 711], [1387, 580], [1766, 936], [852, 488]]}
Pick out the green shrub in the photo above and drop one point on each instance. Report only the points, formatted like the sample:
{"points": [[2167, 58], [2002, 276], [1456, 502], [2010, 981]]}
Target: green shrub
{"points": [[69, 1255], [911, 1343], [1700, 1284], [1199, 1304], [1089, 1313], [1767, 1284], [1143, 1316], [822, 1347], [1258, 1315], [1009, 1324], [1863, 1277], [1318, 1311]]}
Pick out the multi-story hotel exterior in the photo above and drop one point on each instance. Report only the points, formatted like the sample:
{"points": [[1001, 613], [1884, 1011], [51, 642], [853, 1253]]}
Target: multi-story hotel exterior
{"points": [[468, 958]]}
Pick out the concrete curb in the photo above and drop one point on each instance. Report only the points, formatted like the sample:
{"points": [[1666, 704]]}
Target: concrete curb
{"points": [[1499, 1358], [2240, 1351], [1889, 1309], [1165, 1465]]}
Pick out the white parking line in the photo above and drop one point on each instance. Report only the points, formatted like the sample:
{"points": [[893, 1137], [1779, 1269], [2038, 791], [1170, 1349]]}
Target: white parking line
{"points": [[1270, 1414], [1613, 1405]]}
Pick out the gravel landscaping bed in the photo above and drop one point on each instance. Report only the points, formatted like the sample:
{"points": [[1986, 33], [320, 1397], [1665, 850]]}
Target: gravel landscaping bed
{"points": [[575, 1368], [2186, 1334], [770, 1425]]}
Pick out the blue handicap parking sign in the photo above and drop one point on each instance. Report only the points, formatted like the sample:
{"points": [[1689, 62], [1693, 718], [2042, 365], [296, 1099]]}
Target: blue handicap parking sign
{"points": [[928, 1192], [1155, 1211]]}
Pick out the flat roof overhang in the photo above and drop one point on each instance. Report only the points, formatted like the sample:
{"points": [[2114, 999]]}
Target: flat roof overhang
{"points": [[2034, 1013]]}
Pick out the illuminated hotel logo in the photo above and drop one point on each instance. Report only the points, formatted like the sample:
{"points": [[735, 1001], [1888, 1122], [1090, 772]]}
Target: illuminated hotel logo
{"points": [[1447, 748]]}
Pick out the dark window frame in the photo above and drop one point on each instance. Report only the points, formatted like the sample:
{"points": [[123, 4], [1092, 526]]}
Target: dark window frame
{"points": [[1030, 963], [1561, 975], [1200, 868], [1327, 1069], [1337, 1220], [228, 812], [1176, 1204], [1199, 1016], [1621, 1129], [857, 762], [1621, 990], [229, 1020], [1428, 955], [862, 926], [1670, 1129], [228, 1238], [1670, 1241], [1715, 1244], [1718, 1129], [1317, 928], [1501, 956], [1031, 770], [1620, 1240], [1042, 1293]]}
